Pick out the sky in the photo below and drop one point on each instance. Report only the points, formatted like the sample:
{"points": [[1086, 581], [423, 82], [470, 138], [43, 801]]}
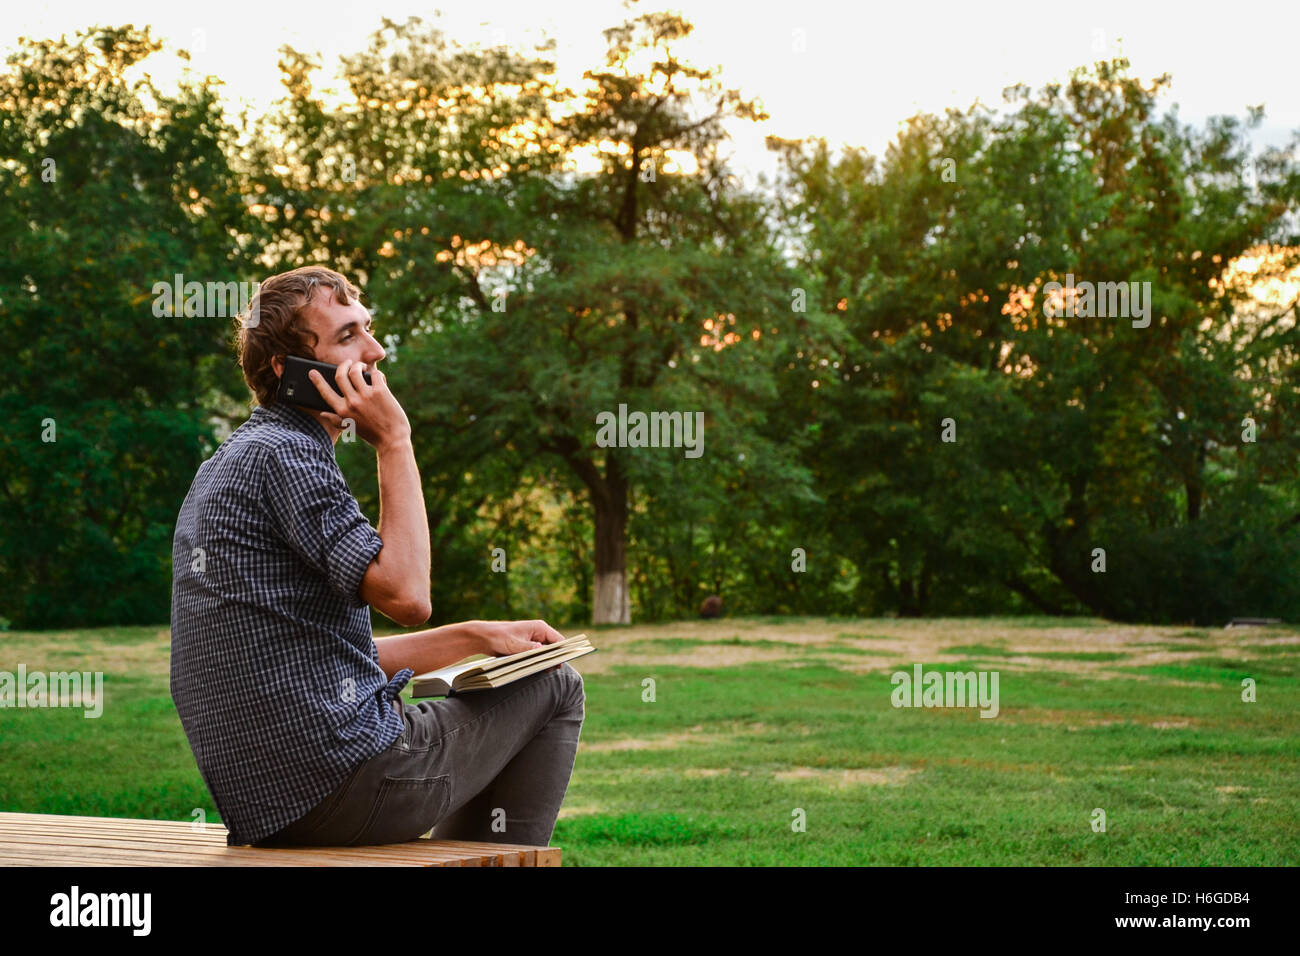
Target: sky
{"points": [[848, 72]]}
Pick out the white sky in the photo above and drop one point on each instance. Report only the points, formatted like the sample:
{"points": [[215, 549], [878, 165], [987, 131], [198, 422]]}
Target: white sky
{"points": [[865, 67]]}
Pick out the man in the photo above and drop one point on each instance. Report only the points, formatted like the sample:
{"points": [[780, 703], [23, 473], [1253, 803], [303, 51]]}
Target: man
{"points": [[290, 705]]}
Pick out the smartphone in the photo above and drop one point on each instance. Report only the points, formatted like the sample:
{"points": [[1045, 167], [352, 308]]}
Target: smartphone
{"points": [[297, 389]]}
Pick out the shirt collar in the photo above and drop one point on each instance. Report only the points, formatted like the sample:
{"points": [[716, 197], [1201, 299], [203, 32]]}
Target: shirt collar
{"points": [[293, 417]]}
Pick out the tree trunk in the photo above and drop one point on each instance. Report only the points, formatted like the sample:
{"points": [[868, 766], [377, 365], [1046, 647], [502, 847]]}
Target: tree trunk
{"points": [[907, 605], [1195, 485], [609, 500], [1043, 604], [1069, 552], [923, 593], [610, 604]]}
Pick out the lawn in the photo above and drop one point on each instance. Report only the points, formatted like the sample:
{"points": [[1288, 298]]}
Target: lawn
{"points": [[773, 741]]}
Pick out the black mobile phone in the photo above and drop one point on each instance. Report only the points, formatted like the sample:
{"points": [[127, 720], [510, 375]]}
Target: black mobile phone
{"points": [[296, 388]]}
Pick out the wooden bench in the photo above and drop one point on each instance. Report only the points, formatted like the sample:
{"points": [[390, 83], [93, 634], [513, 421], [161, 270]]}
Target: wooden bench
{"points": [[41, 839]]}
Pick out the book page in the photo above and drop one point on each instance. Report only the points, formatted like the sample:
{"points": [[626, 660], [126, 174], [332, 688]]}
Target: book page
{"points": [[488, 664]]}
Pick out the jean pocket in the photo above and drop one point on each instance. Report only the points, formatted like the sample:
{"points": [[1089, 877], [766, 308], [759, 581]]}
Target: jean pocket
{"points": [[405, 809], [403, 741], [315, 820]]}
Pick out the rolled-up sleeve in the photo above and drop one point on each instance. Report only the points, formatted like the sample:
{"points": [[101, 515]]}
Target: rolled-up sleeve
{"points": [[310, 503]]}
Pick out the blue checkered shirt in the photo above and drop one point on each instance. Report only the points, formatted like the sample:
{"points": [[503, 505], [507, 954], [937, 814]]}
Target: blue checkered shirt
{"points": [[274, 669]]}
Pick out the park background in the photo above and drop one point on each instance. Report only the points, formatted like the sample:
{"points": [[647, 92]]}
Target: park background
{"points": [[539, 249]]}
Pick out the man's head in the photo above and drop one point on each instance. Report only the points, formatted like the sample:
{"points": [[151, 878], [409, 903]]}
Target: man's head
{"points": [[312, 312]]}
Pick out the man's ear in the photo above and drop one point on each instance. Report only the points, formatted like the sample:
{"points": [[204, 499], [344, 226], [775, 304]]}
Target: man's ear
{"points": [[277, 365]]}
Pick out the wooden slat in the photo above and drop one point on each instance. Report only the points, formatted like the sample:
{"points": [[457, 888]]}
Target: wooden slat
{"points": [[37, 846], [190, 839], [240, 856], [111, 856], [510, 854], [39, 839], [196, 841], [501, 854], [547, 856]]}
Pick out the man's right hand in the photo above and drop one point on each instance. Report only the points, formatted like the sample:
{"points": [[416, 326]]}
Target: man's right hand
{"points": [[375, 412], [501, 638]]}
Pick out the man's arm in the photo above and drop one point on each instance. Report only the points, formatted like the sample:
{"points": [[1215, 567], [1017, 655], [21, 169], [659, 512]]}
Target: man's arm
{"points": [[429, 650], [438, 647], [397, 581]]}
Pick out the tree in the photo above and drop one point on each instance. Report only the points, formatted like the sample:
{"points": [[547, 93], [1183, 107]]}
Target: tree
{"points": [[529, 299], [106, 188], [1074, 432]]}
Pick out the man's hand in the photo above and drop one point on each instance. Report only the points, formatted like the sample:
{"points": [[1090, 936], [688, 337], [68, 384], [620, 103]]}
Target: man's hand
{"points": [[500, 638], [378, 417]]}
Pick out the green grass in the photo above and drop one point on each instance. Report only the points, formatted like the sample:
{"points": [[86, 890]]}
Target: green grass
{"points": [[1186, 772], [1077, 655], [682, 645], [982, 650], [984, 792], [979, 650]]}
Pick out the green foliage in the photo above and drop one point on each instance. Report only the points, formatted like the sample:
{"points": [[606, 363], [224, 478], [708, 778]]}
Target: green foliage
{"points": [[829, 330], [1071, 432], [523, 301], [107, 186]]}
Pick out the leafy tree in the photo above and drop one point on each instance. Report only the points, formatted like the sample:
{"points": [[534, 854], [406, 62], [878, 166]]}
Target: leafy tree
{"points": [[526, 298], [1073, 432], [107, 187]]}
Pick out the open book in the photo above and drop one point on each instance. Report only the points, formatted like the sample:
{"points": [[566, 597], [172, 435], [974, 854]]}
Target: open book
{"points": [[481, 672]]}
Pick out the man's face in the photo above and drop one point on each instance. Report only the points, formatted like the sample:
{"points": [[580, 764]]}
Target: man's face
{"points": [[343, 331]]}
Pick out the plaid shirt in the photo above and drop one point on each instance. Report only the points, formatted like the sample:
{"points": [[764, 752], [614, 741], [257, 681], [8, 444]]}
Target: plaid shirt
{"points": [[274, 669]]}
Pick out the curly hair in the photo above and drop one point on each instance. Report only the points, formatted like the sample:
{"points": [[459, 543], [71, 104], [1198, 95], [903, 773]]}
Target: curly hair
{"points": [[274, 324]]}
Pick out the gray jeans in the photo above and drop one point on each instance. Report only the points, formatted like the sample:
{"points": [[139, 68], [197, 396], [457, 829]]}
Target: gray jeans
{"points": [[489, 765]]}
